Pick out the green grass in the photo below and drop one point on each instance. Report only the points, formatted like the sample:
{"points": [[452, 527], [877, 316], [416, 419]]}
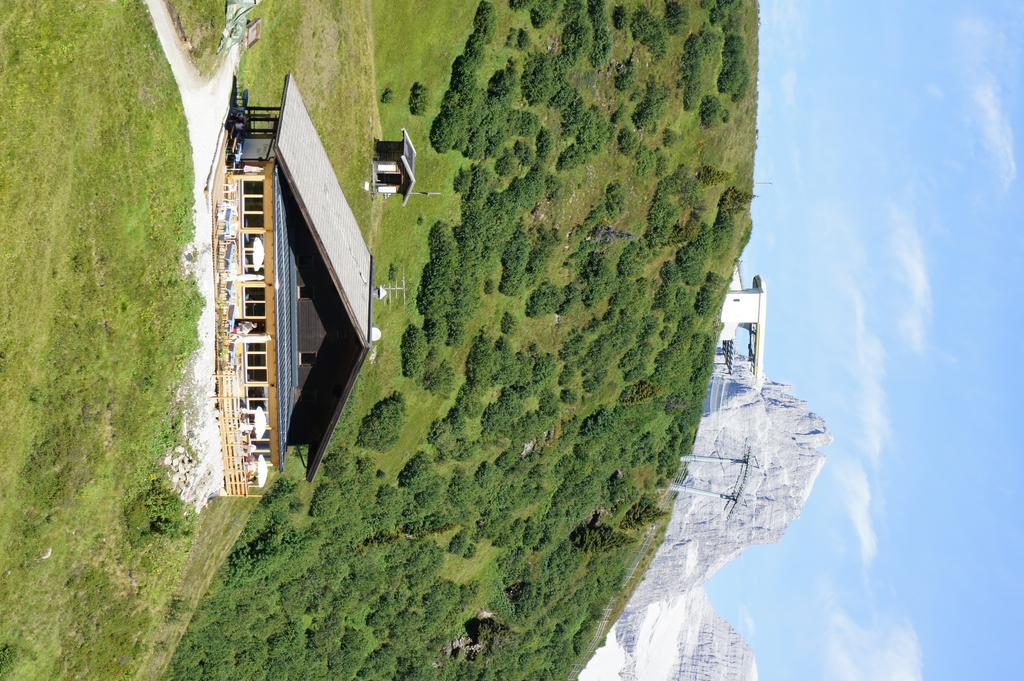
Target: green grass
{"points": [[201, 21], [96, 321], [218, 528]]}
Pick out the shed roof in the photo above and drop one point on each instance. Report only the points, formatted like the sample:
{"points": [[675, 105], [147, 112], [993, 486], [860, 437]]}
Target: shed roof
{"points": [[311, 177]]}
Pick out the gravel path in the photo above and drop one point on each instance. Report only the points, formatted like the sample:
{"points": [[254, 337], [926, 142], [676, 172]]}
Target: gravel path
{"points": [[198, 475]]}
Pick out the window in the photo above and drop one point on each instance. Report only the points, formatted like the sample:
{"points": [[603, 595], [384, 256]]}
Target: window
{"points": [[252, 188], [255, 375], [253, 221], [252, 204], [254, 298], [307, 358]]}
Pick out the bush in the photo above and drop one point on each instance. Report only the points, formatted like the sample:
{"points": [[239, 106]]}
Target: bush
{"points": [[439, 379], [381, 428], [509, 324], [545, 143], [514, 260], [649, 31], [628, 141], [711, 111], [157, 510], [676, 16], [709, 176], [625, 77], [418, 99], [540, 78], [651, 106], [734, 77], [696, 50], [619, 17], [386, 96], [414, 351], [545, 299]]}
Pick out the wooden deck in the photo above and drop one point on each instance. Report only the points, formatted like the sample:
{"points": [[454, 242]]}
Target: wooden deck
{"points": [[230, 231]]}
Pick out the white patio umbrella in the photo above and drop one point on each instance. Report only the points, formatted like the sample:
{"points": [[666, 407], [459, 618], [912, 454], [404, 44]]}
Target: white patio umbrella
{"points": [[258, 254], [262, 470], [259, 420]]}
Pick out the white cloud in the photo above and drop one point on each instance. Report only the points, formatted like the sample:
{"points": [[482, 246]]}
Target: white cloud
{"points": [[888, 651], [869, 369], [912, 272], [788, 23], [996, 131], [981, 44], [747, 623], [855, 494]]}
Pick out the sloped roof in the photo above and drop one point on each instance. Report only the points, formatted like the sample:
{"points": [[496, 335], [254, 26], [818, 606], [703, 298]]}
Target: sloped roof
{"points": [[311, 177]]}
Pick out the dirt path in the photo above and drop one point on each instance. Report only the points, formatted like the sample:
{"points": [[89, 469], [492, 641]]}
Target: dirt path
{"points": [[205, 102]]}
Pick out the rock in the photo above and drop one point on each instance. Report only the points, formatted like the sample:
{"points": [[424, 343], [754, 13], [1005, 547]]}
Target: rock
{"points": [[179, 450], [46, 554], [669, 630], [167, 461]]}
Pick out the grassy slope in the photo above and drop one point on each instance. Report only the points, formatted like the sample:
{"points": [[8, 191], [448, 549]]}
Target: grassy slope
{"points": [[202, 22], [417, 42], [95, 322]]}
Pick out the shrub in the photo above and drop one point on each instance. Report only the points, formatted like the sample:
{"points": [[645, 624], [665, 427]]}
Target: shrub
{"points": [[540, 78], [641, 513], [676, 16], [669, 137], [382, 426], [628, 141], [509, 324], [614, 200], [386, 96], [734, 77], [414, 351], [542, 11], [711, 111], [439, 379], [697, 48], [544, 144], [157, 510], [418, 99], [619, 17], [625, 77], [651, 106], [514, 260], [709, 176], [649, 31], [601, 47], [545, 299]]}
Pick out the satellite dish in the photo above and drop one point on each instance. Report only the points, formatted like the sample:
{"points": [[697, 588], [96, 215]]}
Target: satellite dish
{"points": [[375, 334], [381, 292]]}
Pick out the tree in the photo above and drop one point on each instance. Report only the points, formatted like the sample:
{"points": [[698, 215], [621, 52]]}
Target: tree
{"points": [[386, 96], [382, 426]]}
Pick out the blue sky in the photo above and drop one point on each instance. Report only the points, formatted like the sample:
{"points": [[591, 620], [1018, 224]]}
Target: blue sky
{"points": [[891, 238]]}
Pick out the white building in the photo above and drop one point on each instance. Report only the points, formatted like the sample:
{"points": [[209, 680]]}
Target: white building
{"points": [[746, 308]]}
